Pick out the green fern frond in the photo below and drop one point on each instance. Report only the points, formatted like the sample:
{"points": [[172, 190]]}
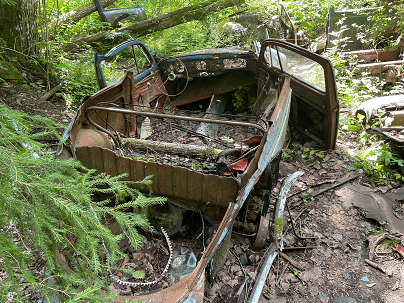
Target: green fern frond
{"points": [[47, 203]]}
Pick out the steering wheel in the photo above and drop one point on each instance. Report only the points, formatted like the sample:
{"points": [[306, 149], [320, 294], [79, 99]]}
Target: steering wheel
{"points": [[176, 71]]}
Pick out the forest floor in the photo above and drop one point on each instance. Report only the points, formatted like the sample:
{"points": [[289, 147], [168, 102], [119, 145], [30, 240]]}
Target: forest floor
{"points": [[332, 270]]}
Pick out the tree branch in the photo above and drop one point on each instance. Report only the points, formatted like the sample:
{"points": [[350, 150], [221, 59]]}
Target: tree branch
{"points": [[76, 15], [161, 22]]}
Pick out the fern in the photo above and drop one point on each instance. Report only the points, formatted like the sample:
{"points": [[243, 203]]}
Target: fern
{"points": [[48, 204]]}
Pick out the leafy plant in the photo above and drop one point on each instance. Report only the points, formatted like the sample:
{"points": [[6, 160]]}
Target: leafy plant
{"points": [[379, 162], [377, 230], [49, 204], [310, 155], [241, 99], [287, 154], [227, 139]]}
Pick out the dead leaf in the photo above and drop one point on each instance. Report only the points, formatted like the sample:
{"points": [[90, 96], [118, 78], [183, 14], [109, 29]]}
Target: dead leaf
{"points": [[232, 283]]}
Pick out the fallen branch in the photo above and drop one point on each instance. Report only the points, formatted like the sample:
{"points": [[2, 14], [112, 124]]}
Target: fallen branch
{"points": [[169, 148], [140, 29], [321, 191], [282, 273], [299, 247], [50, 93], [373, 264], [78, 14], [343, 181], [290, 260]]}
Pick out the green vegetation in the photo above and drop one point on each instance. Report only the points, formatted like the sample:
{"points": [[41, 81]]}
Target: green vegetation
{"points": [[287, 154], [241, 99], [311, 155], [47, 204], [377, 230]]}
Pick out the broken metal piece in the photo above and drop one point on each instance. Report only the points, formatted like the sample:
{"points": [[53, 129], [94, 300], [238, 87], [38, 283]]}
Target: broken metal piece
{"points": [[376, 206], [277, 228], [385, 132], [262, 234], [167, 116], [399, 249]]}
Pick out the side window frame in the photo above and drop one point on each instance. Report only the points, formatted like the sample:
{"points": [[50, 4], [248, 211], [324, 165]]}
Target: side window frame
{"points": [[98, 59], [328, 97]]}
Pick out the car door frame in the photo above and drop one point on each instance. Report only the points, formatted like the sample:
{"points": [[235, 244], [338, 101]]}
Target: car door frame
{"points": [[102, 83], [328, 98]]}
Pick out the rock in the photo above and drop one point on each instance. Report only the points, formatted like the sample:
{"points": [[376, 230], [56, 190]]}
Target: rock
{"points": [[323, 297]]}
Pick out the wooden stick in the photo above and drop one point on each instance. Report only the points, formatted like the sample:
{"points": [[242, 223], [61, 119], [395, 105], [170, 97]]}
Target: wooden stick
{"points": [[50, 93], [169, 148], [290, 260], [373, 264]]}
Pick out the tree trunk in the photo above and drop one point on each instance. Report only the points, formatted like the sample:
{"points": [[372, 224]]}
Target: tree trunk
{"points": [[161, 22], [79, 14], [18, 25]]}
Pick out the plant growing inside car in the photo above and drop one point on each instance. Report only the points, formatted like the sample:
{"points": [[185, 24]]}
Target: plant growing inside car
{"points": [[48, 204]]}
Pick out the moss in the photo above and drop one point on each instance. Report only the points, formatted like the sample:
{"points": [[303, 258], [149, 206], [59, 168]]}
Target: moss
{"points": [[10, 73], [210, 150], [277, 227]]}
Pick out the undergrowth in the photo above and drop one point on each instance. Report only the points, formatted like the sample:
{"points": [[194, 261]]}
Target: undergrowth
{"points": [[379, 160], [48, 204]]}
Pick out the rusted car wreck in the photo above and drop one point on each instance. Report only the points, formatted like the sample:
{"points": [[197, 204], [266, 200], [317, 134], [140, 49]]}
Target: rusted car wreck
{"points": [[289, 86]]}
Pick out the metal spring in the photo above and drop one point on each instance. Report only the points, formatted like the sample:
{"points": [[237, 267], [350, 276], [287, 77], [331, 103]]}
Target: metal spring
{"points": [[120, 282]]}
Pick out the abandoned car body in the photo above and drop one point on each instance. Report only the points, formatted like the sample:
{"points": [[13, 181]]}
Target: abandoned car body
{"points": [[289, 85]]}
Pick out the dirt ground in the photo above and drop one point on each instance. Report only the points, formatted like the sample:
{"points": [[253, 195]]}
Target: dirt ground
{"points": [[332, 270]]}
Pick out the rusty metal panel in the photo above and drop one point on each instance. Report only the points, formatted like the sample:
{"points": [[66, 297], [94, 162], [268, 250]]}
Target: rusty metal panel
{"points": [[95, 156], [210, 188], [152, 168], [310, 95], [206, 87], [109, 162], [138, 169], [227, 193], [195, 185], [83, 156], [166, 180], [190, 289], [180, 183], [176, 182], [123, 167]]}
